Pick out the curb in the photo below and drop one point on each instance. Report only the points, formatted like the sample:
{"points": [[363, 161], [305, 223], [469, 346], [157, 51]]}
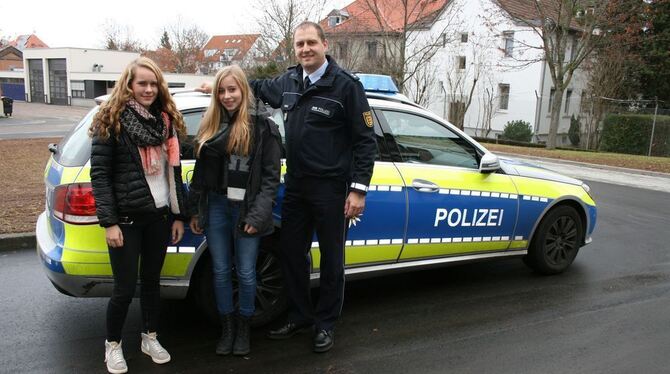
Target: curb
{"points": [[17, 242], [586, 164]]}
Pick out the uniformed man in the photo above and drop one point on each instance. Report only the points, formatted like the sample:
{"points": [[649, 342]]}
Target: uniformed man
{"points": [[330, 152]]}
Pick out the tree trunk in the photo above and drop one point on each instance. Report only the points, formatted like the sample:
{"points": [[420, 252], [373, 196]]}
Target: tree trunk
{"points": [[556, 106]]}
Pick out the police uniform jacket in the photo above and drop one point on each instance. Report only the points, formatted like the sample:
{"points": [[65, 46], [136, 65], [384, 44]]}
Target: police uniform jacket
{"points": [[328, 125]]}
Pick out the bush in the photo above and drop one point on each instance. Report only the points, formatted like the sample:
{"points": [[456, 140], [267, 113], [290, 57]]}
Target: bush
{"points": [[573, 132], [629, 133], [518, 130]]}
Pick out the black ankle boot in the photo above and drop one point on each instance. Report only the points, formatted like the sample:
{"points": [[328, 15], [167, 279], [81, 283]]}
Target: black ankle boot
{"points": [[242, 345], [225, 344]]}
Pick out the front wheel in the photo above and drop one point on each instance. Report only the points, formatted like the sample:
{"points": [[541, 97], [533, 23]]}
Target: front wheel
{"points": [[270, 294], [556, 241]]}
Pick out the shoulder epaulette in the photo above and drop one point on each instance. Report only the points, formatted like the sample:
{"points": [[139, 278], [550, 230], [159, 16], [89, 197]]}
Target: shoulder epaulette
{"points": [[351, 75]]}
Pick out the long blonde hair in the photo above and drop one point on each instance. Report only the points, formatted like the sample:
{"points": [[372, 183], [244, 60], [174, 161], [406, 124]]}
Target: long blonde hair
{"points": [[239, 139], [106, 121]]}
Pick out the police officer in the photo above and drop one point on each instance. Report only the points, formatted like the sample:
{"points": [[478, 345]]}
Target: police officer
{"points": [[330, 152]]}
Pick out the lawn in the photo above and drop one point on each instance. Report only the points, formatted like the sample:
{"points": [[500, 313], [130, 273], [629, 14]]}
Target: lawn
{"points": [[22, 183], [23, 162]]}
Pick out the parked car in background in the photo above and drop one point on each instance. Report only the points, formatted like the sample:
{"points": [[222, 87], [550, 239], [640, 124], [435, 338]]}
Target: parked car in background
{"points": [[437, 197]]}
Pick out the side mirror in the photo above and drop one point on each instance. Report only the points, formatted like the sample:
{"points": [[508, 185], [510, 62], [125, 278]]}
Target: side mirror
{"points": [[489, 163]]}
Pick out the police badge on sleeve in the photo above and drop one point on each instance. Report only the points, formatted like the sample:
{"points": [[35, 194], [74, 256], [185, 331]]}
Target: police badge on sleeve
{"points": [[367, 116]]}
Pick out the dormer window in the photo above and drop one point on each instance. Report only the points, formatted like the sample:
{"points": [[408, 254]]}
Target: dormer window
{"points": [[334, 21]]}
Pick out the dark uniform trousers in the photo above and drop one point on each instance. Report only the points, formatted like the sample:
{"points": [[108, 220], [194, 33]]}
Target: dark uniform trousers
{"points": [[314, 204]]}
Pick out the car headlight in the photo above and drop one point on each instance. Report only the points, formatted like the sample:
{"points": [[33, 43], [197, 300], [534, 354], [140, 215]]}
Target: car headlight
{"points": [[588, 190]]}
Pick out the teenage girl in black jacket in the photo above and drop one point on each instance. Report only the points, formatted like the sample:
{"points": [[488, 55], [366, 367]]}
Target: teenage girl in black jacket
{"points": [[234, 184], [136, 178]]}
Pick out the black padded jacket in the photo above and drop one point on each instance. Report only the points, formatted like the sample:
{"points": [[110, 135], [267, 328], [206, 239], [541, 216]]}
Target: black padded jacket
{"points": [[119, 186]]}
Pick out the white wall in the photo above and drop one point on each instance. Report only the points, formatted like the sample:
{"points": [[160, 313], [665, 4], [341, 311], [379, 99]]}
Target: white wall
{"points": [[485, 23]]}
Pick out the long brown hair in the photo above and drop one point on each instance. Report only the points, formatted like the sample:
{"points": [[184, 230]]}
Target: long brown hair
{"points": [[106, 121], [240, 132]]}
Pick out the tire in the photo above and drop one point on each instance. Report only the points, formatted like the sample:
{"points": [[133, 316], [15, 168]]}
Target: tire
{"points": [[270, 293], [556, 241]]}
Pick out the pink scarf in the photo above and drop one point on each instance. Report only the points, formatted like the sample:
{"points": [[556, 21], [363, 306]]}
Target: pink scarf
{"points": [[151, 156]]}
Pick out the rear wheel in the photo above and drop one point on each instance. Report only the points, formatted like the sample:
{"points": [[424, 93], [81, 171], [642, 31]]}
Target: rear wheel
{"points": [[270, 295], [556, 241]]}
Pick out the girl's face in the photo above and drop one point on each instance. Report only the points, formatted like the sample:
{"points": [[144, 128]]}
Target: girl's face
{"points": [[230, 94], [144, 86]]}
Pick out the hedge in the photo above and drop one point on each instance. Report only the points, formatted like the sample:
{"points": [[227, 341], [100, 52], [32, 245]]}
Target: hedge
{"points": [[630, 133]]}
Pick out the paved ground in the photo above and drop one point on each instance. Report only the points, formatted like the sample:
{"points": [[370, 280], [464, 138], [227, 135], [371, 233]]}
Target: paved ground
{"points": [[30, 120], [606, 314]]}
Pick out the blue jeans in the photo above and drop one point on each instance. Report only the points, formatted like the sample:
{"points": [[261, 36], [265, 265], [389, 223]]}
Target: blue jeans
{"points": [[224, 239]]}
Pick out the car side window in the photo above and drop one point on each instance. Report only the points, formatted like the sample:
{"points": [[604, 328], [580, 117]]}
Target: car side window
{"points": [[192, 122], [423, 140]]}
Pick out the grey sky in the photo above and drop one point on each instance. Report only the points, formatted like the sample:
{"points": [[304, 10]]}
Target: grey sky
{"points": [[79, 23]]}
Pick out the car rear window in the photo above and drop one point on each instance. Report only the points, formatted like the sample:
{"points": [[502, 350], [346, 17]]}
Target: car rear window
{"points": [[75, 148]]}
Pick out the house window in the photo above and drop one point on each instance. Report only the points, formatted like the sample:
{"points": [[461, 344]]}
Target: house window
{"points": [[464, 37], [584, 102], [210, 52], [461, 62], [551, 99], [444, 39], [508, 37], [573, 48], [503, 92], [372, 49], [568, 96], [343, 47], [334, 21]]}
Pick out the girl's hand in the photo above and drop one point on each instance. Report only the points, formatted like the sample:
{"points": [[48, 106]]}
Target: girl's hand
{"points": [[249, 229], [114, 236], [177, 231]]}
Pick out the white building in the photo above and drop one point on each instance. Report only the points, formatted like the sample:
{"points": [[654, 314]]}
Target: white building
{"points": [[480, 41], [75, 76]]}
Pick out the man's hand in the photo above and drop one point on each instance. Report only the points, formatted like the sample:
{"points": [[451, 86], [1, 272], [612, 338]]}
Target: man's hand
{"points": [[114, 236], [177, 231], [195, 226], [205, 87], [354, 205]]}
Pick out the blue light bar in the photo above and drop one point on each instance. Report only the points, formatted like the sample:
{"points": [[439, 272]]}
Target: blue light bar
{"points": [[377, 83]]}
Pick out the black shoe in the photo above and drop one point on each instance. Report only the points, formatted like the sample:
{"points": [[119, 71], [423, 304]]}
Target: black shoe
{"points": [[288, 330], [242, 346], [225, 344], [323, 341]]}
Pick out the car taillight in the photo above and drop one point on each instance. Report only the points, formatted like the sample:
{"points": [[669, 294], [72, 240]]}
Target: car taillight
{"points": [[74, 203]]}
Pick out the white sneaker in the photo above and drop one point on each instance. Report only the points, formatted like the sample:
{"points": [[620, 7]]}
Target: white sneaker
{"points": [[116, 364], [153, 348]]}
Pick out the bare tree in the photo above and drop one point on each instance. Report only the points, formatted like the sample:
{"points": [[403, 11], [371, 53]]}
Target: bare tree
{"points": [[606, 73], [186, 40], [568, 32], [424, 82], [277, 20], [119, 37]]}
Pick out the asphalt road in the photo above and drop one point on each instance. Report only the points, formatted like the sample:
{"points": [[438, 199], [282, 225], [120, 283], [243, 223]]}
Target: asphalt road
{"points": [[607, 314], [32, 120]]}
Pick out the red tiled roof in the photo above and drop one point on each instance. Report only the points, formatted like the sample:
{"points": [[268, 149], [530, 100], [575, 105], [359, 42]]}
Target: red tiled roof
{"points": [[389, 16], [219, 43], [527, 11], [28, 41]]}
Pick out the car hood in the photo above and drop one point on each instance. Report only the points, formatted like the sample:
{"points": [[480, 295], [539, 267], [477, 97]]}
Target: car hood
{"points": [[513, 166]]}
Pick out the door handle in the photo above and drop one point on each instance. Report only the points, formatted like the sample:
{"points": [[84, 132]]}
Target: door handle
{"points": [[425, 186]]}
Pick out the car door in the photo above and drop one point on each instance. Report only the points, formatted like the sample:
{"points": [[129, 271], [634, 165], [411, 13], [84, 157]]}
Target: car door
{"points": [[377, 236], [453, 208]]}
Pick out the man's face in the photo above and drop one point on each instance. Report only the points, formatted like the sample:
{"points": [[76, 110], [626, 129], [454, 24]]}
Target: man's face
{"points": [[310, 50]]}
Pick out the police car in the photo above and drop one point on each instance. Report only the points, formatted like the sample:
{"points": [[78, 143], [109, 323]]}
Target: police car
{"points": [[437, 197]]}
